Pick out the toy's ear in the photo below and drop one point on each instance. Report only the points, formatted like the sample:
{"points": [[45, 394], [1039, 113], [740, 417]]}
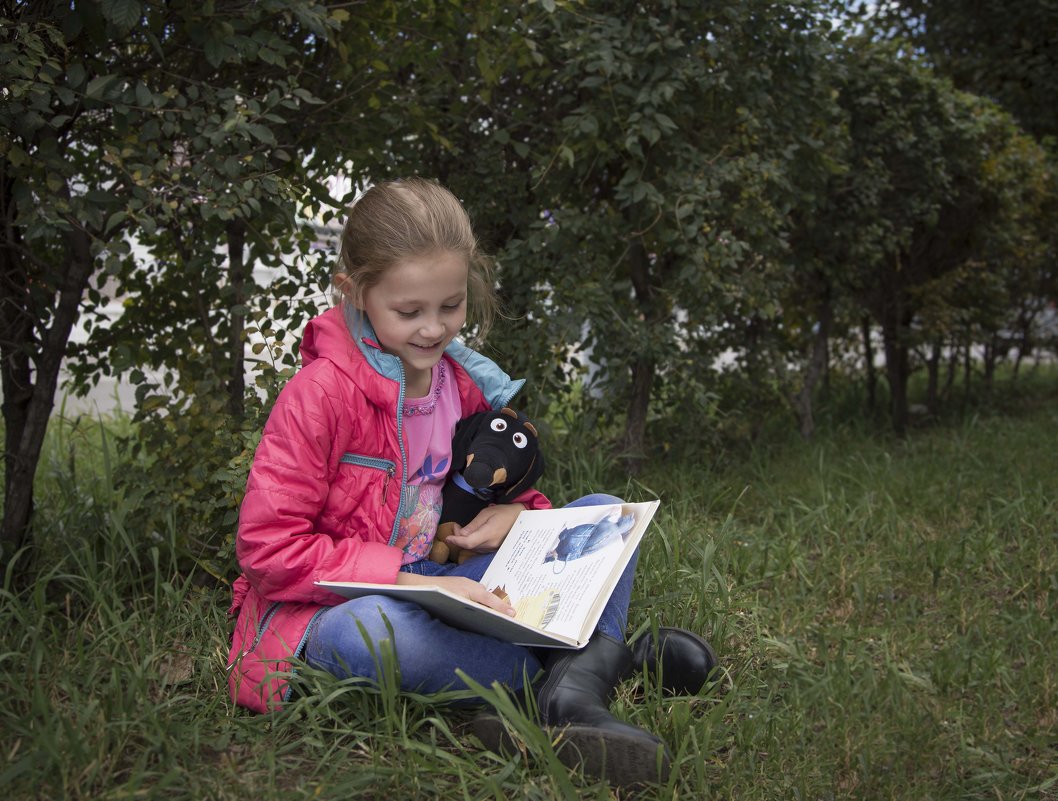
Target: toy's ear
{"points": [[466, 430], [509, 412]]}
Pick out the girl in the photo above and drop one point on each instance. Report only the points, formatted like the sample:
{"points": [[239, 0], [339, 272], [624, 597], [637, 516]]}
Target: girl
{"points": [[346, 486]]}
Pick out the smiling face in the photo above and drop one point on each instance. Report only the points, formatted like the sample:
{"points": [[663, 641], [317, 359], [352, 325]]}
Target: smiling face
{"points": [[417, 308]]}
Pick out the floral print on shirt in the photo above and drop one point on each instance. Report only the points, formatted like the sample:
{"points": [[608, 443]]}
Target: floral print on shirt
{"points": [[417, 528]]}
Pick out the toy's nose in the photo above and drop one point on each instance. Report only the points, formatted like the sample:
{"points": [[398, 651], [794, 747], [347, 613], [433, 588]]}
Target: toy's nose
{"points": [[479, 473]]}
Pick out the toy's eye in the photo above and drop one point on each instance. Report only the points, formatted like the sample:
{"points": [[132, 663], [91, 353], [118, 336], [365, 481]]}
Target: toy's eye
{"points": [[499, 425], [520, 440]]}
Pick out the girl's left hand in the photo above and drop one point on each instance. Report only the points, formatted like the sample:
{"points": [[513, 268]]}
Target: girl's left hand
{"points": [[488, 530]]}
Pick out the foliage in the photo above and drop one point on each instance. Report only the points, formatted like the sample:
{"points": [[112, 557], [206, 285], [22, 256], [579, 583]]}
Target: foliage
{"points": [[659, 139], [1005, 52], [700, 213], [155, 152], [920, 213]]}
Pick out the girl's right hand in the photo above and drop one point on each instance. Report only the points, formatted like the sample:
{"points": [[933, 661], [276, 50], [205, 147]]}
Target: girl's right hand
{"points": [[463, 587]]}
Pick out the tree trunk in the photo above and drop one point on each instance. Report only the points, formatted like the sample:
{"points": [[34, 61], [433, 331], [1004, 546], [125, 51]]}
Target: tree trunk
{"points": [[632, 446], [1025, 341], [896, 370], [953, 362], [633, 443], [237, 276], [816, 368], [16, 378], [26, 414]]}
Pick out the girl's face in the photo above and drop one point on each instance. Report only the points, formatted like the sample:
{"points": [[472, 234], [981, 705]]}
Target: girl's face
{"points": [[417, 309]]}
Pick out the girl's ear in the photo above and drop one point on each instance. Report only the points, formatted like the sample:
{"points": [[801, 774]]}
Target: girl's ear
{"points": [[349, 290]]}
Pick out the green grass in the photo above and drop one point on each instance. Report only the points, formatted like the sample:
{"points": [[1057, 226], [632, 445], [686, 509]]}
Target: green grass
{"points": [[885, 612]]}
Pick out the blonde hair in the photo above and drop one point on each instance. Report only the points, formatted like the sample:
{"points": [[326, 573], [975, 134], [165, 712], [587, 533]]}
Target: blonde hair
{"points": [[408, 218]]}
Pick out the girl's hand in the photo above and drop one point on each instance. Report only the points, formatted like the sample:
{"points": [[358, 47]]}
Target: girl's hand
{"points": [[463, 587], [488, 530]]}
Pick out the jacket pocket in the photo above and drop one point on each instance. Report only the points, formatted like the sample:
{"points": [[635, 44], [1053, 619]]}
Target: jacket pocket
{"points": [[363, 484], [387, 466]]}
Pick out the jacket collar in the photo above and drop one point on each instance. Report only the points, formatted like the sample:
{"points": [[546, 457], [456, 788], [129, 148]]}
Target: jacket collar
{"points": [[334, 334]]}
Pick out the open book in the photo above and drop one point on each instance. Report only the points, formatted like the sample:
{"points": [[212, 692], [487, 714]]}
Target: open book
{"points": [[558, 568]]}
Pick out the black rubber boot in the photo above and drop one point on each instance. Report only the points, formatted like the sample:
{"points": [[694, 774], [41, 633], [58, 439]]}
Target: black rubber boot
{"points": [[574, 700], [682, 661]]}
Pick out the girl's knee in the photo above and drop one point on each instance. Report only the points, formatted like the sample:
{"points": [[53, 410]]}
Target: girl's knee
{"points": [[375, 614], [347, 639], [359, 624]]}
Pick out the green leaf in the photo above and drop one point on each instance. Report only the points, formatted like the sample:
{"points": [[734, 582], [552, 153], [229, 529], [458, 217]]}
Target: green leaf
{"points": [[143, 95], [17, 156], [123, 14], [75, 76], [114, 220], [71, 24], [262, 133], [215, 51], [153, 402], [97, 87]]}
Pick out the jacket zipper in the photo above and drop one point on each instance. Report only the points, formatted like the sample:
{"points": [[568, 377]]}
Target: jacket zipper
{"points": [[263, 625], [400, 441], [374, 463], [403, 455]]}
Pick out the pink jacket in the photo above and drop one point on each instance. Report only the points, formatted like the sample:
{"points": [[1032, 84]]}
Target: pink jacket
{"points": [[323, 493]]}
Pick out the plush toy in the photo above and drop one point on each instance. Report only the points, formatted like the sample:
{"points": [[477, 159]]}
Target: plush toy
{"points": [[495, 458]]}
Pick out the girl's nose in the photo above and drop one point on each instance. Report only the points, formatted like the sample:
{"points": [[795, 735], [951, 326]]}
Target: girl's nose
{"points": [[433, 327]]}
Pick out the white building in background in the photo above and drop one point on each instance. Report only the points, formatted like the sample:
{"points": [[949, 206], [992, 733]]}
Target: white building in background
{"points": [[112, 394]]}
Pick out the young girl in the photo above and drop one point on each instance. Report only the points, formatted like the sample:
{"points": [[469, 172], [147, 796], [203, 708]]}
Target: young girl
{"points": [[346, 486]]}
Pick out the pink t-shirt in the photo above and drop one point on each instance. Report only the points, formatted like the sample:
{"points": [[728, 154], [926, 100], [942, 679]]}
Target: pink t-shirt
{"points": [[429, 424]]}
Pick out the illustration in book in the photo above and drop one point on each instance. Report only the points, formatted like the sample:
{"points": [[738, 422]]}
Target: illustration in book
{"points": [[575, 541]]}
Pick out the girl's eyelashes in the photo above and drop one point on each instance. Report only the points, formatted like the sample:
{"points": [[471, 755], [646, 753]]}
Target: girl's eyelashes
{"points": [[447, 307]]}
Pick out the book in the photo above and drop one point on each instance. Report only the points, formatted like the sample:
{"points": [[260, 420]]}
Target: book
{"points": [[557, 567]]}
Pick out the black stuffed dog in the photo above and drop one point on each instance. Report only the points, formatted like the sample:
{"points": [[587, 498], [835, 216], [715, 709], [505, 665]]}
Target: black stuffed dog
{"points": [[495, 458]]}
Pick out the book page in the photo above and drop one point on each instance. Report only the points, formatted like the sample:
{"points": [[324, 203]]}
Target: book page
{"points": [[456, 611], [555, 564], [558, 567]]}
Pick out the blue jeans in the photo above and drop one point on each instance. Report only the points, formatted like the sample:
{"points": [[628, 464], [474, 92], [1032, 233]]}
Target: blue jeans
{"points": [[427, 650]]}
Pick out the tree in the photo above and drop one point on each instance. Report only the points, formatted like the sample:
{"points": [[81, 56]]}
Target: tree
{"points": [[660, 136], [148, 121], [1005, 51], [919, 191]]}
